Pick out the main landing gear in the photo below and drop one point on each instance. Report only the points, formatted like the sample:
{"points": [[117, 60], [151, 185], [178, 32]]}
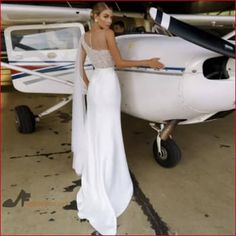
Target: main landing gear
{"points": [[26, 120], [165, 150]]}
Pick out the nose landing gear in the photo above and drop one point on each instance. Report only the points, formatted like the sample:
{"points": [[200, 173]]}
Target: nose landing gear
{"points": [[166, 152]]}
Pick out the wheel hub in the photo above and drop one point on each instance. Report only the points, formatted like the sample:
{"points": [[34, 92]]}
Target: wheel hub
{"points": [[163, 154]]}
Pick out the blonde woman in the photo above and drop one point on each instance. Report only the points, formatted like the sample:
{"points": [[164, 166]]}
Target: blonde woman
{"points": [[99, 155]]}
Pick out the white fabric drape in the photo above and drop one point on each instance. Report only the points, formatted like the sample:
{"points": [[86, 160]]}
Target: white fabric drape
{"points": [[78, 139]]}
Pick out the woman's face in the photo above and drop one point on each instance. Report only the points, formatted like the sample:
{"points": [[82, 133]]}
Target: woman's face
{"points": [[104, 19]]}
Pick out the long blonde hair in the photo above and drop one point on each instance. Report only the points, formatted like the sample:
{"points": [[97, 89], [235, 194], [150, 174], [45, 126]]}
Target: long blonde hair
{"points": [[98, 8]]}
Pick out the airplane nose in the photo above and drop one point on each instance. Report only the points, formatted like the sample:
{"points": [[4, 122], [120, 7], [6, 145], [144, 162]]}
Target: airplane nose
{"points": [[213, 89]]}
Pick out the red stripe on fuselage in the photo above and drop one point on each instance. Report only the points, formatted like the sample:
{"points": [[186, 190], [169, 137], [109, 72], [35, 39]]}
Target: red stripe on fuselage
{"points": [[13, 72]]}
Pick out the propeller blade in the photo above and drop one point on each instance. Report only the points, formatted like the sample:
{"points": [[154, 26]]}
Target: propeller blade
{"points": [[193, 34]]}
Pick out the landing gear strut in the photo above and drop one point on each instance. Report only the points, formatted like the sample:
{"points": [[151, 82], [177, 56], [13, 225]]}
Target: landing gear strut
{"points": [[166, 152]]}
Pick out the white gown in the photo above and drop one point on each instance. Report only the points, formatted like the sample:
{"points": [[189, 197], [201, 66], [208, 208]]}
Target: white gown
{"points": [[106, 188]]}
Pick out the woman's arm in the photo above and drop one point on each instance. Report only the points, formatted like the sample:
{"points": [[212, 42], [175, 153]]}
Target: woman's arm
{"points": [[120, 62], [83, 57]]}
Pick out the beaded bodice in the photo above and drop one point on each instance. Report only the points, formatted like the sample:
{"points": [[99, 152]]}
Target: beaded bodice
{"points": [[99, 58]]}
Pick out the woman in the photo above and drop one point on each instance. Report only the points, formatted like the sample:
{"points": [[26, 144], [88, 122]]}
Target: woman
{"points": [[106, 188]]}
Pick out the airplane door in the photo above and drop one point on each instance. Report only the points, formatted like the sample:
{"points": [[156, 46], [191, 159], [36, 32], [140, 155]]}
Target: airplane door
{"points": [[49, 49]]}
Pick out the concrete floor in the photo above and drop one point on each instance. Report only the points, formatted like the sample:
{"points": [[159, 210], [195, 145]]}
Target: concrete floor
{"points": [[196, 197]]}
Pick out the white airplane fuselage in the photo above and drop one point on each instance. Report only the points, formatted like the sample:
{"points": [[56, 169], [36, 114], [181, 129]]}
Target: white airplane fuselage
{"points": [[190, 87]]}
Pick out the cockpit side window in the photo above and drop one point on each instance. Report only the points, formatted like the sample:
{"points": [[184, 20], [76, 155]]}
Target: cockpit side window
{"points": [[45, 39]]}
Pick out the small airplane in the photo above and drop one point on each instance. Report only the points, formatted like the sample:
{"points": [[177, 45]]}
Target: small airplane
{"points": [[196, 85]]}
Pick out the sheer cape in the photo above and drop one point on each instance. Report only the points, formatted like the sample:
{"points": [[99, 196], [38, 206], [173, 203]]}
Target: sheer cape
{"points": [[78, 139]]}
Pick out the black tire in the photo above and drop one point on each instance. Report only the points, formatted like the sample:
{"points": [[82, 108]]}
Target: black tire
{"points": [[25, 119], [171, 153]]}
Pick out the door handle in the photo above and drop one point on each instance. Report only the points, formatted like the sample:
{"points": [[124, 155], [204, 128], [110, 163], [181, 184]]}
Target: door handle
{"points": [[51, 55]]}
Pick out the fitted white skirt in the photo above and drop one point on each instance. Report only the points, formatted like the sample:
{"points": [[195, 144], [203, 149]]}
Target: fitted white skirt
{"points": [[106, 184]]}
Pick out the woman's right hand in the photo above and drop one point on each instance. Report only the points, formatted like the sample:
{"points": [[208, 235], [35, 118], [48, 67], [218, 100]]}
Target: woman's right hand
{"points": [[155, 64], [87, 84]]}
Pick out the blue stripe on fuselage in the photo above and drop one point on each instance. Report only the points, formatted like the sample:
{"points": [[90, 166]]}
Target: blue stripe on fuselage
{"points": [[71, 66]]}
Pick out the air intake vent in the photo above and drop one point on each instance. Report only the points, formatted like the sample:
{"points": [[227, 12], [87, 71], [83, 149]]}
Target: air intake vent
{"points": [[215, 68]]}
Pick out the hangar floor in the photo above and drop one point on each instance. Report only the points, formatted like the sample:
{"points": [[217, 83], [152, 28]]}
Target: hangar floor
{"points": [[196, 197]]}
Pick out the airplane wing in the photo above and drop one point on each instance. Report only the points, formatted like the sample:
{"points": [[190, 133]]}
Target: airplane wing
{"points": [[193, 34], [193, 19], [18, 14], [206, 20]]}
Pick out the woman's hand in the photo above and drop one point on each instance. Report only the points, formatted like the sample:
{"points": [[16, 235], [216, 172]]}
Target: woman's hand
{"points": [[86, 80], [155, 64], [87, 84]]}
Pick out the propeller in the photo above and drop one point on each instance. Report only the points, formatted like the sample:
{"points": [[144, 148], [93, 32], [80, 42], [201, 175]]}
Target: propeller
{"points": [[193, 34]]}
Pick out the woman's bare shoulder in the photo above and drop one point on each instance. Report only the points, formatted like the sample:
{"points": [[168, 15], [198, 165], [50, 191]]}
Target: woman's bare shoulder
{"points": [[109, 33]]}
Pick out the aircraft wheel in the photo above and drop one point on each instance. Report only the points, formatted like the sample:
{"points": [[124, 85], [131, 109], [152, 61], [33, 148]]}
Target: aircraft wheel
{"points": [[25, 119], [170, 153]]}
